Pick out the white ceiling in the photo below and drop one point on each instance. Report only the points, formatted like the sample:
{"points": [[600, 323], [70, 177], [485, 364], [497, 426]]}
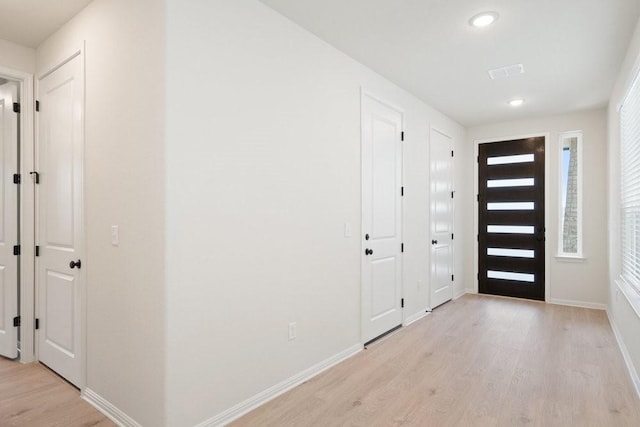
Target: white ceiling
{"points": [[571, 49], [30, 22]]}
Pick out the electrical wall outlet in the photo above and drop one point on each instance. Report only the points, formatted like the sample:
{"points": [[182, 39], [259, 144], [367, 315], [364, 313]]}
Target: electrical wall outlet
{"points": [[293, 332], [115, 235]]}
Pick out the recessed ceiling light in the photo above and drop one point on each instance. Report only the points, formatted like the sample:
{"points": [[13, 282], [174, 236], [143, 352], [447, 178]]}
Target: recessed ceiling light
{"points": [[483, 19], [516, 102]]}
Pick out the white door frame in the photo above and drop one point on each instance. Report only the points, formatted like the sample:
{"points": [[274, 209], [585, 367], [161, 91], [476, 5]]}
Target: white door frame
{"points": [[547, 203], [27, 241], [68, 56]]}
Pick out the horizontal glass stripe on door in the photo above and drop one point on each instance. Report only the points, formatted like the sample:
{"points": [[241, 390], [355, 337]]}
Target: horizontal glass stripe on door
{"points": [[509, 275], [511, 206], [517, 229], [507, 160], [517, 253], [519, 182]]}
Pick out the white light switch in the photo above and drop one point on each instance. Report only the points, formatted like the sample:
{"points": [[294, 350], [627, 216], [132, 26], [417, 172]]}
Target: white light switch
{"points": [[293, 331], [115, 235], [347, 229]]}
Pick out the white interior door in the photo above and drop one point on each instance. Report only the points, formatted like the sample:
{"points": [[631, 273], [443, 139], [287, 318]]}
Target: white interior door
{"points": [[8, 220], [441, 210], [381, 218], [60, 218]]}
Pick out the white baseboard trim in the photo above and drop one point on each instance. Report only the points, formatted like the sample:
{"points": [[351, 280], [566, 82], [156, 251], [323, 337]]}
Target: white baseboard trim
{"points": [[415, 317], [461, 293], [581, 304], [108, 409], [263, 397], [625, 354]]}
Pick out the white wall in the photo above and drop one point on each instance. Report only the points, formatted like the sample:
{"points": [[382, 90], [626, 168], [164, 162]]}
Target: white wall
{"points": [[17, 57], [124, 185], [263, 170], [583, 282], [623, 313]]}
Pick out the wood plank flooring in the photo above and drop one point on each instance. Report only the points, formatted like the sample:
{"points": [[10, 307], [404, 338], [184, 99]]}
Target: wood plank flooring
{"points": [[475, 361], [33, 396]]}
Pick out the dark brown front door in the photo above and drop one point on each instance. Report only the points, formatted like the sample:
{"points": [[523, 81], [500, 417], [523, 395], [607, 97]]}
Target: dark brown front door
{"points": [[511, 218]]}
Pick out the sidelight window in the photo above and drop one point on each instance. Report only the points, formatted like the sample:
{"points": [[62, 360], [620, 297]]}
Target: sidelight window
{"points": [[570, 225]]}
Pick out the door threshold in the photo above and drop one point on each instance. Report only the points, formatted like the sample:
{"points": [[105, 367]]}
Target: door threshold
{"points": [[511, 297], [59, 376], [390, 331]]}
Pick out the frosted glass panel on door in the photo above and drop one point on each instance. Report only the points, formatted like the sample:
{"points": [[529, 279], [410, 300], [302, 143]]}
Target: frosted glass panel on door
{"points": [[511, 206], [508, 275], [518, 253], [518, 229], [520, 182], [507, 160]]}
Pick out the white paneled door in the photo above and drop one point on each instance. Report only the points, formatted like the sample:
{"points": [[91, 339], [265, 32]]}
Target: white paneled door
{"points": [[381, 218], [8, 221], [441, 210], [60, 228]]}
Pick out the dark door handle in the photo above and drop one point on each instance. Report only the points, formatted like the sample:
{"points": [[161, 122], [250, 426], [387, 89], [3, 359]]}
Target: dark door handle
{"points": [[74, 264], [366, 236], [368, 251], [434, 242]]}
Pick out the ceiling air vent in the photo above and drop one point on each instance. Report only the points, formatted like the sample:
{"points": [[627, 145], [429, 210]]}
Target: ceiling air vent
{"points": [[506, 72]]}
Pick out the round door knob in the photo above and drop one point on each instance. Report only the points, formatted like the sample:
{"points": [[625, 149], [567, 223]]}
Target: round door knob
{"points": [[434, 242], [368, 251], [74, 264]]}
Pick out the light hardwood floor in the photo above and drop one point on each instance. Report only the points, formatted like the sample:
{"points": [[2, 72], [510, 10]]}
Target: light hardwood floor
{"points": [[475, 361], [33, 396]]}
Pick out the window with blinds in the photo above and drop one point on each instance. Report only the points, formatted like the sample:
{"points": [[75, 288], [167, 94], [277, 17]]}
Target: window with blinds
{"points": [[630, 186]]}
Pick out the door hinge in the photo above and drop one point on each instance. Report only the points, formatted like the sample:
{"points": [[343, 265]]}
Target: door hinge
{"points": [[16, 107], [16, 321], [17, 178], [478, 276], [16, 250], [451, 236], [36, 176], [37, 323], [452, 277], [402, 136], [451, 153], [478, 159], [478, 237], [402, 191], [401, 302], [452, 194], [37, 105], [477, 197], [37, 250], [401, 247]]}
